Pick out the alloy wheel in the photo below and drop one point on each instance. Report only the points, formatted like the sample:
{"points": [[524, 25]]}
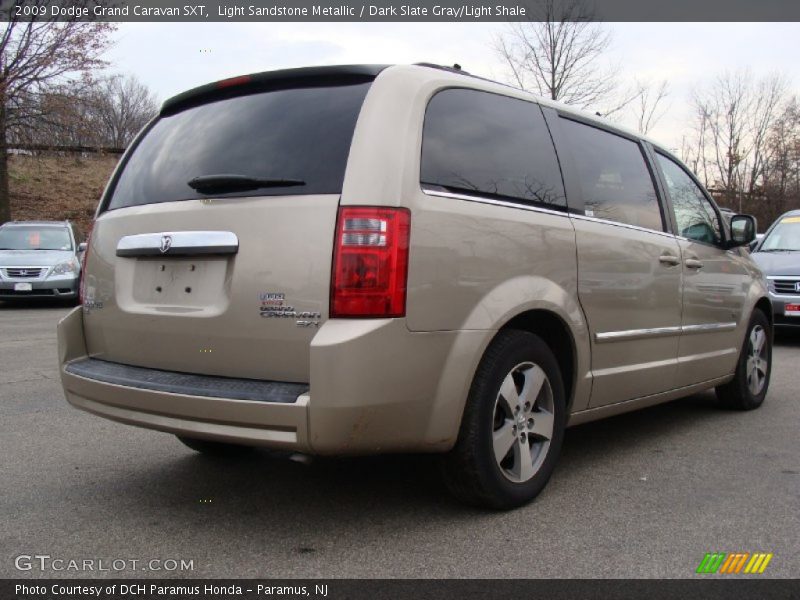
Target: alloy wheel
{"points": [[523, 422], [757, 363]]}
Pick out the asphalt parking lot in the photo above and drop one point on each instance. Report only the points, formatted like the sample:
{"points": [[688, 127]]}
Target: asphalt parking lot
{"points": [[641, 495]]}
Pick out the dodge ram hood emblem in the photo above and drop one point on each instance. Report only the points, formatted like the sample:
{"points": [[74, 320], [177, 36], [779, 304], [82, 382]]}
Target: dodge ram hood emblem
{"points": [[166, 243]]}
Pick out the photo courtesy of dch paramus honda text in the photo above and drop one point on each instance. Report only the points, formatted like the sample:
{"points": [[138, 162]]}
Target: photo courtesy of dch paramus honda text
{"points": [[370, 259]]}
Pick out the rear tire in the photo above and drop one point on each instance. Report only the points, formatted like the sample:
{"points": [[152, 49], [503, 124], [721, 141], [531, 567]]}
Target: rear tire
{"points": [[210, 448], [512, 427], [749, 386]]}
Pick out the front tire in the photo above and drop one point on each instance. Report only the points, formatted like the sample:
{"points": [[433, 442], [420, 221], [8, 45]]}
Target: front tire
{"points": [[513, 425], [749, 386]]}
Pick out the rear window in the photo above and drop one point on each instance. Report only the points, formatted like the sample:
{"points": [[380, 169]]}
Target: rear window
{"points": [[486, 144], [287, 134]]}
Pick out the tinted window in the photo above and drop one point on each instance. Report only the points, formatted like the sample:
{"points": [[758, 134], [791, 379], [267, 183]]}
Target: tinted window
{"points": [[490, 144], [613, 176], [34, 238], [696, 218], [301, 133]]}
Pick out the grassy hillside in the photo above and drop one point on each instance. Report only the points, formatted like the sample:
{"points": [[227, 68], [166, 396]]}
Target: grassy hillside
{"points": [[58, 187]]}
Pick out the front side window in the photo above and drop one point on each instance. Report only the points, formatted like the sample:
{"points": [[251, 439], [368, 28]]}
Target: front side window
{"points": [[613, 176], [487, 144], [34, 238], [696, 218]]}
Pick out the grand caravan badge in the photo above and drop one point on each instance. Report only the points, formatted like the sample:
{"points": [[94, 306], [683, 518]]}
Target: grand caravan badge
{"points": [[273, 306]]}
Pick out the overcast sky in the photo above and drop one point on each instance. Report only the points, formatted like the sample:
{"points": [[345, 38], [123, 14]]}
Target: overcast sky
{"points": [[170, 58]]}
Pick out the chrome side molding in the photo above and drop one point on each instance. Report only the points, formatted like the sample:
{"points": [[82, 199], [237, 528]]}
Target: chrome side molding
{"points": [[708, 327], [178, 243], [484, 200], [635, 334]]}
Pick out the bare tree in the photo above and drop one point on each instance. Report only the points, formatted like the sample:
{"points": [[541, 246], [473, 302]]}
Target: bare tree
{"points": [[61, 118], [649, 105], [769, 95], [106, 113], [782, 170], [121, 106], [35, 55], [734, 115], [558, 56]]}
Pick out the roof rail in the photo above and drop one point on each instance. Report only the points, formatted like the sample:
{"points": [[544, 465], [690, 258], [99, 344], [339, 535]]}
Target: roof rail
{"points": [[456, 68]]}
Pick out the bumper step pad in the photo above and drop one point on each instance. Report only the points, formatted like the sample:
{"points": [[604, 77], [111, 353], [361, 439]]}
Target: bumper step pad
{"points": [[187, 383]]}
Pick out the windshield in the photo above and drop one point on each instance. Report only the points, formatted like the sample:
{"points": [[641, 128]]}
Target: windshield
{"points": [[784, 236], [279, 142], [35, 238]]}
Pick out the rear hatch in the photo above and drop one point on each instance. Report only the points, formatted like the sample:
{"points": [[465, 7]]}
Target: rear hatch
{"points": [[212, 249]]}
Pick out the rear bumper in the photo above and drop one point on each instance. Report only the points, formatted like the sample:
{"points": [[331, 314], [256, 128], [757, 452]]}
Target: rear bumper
{"points": [[359, 402], [278, 425], [281, 427]]}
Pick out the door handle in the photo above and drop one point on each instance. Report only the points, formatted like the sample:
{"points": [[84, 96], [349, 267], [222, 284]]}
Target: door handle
{"points": [[693, 263], [669, 259]]}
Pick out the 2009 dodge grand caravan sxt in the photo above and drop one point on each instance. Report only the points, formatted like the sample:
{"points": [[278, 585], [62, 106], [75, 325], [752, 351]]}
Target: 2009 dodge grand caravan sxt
{"points": [[363, 259]]}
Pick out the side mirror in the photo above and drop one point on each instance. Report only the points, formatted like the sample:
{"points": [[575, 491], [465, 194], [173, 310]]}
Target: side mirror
{"points": [[743, 230], [82, 247]]}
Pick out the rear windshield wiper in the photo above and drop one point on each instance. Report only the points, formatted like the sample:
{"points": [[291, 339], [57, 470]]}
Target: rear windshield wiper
{"points": [[779, 250], [220, 183]]}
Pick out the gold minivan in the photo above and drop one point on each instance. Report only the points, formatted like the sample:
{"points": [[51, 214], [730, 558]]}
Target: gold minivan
{"points": [[369, 259]]}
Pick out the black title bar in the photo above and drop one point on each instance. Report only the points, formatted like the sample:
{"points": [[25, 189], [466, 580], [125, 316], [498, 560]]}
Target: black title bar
{"points": [[398, 11], [706, 587]]}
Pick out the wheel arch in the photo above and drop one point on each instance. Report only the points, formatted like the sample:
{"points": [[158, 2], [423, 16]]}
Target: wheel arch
{"points": [[764, 304], [558, 336], [531, 304]]}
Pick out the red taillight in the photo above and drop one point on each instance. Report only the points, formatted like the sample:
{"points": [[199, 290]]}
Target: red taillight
{"points": [[82, 282], [370, 262]]}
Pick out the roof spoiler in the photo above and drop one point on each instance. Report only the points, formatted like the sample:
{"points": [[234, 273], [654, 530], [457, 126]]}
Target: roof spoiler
{"points": [[271, 80]]}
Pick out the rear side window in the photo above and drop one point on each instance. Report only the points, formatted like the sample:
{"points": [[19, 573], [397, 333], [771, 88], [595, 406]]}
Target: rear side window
{"points": [[613, 176], [487, 144], [299, 134]]}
